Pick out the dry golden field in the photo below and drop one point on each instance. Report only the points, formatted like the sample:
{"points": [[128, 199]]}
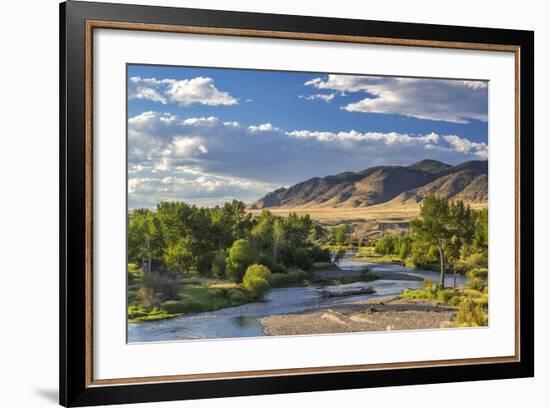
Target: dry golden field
{"points": [[371, 221]]}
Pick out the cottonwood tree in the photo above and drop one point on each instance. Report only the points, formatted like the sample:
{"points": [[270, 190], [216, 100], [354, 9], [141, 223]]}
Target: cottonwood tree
{"points": [[462, 229], [278, 232], [433, 227], [340, 234], [143, 237], [240, 257]]}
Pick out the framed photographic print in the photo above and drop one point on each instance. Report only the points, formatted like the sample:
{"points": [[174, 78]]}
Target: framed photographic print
{"points": [[256, 203]]}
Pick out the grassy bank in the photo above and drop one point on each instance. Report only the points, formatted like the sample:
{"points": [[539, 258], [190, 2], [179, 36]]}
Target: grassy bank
{"points": [[472, 301], [194, 295]]}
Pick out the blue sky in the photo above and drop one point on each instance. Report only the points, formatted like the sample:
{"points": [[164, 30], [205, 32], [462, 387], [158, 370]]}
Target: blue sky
{"points": [[207, 135]]}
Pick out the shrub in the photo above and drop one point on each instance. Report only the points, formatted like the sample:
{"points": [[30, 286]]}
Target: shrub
{"points": [[483, 301], [477, 279], [470, 313], [430, 288], [134, 274], [182, 306], [302, 259], [278, 268], [476, 260], [292, 276], [413, 294], [218, 263], [479, 273], [446, 296], [237, 297], [475, 284], [319, 254], [278, 279], [157, 288], [266, 261], [132, 267], [256, 280], [386, 245], [297, 275]]}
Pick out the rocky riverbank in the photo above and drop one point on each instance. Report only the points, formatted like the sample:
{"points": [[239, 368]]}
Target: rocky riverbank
{"points": [[373, 315]]}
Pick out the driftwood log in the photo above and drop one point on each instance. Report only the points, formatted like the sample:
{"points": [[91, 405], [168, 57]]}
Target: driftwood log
{"points": [[336, 292]]}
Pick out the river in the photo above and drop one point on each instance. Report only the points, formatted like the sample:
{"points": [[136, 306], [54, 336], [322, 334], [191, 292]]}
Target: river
{"points": [[242, 321]]}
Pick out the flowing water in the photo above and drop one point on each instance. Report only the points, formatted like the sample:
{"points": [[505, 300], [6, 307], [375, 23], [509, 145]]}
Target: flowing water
{"points": [[242, 321]]}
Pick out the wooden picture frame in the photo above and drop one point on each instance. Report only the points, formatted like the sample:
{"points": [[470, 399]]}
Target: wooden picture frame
{"points": [[77, 22]]}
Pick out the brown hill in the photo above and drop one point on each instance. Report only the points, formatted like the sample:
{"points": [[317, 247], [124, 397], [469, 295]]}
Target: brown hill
{"points": [[396, 185]]}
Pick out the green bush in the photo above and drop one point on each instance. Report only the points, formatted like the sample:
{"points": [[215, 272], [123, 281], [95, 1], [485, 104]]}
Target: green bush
{"points": [[132, 267], [237, 297], [302, 259], [476, 284], [291, 277], [278, 268], [413, 294], [134, 274], [278, 279], [319, 254], [476, 260], [483, 301], [477, 279], [479, 273], [182, 306], [297, 275], [430, 288], [266, 260], [256, 280], [446, 296], [470, 313]]}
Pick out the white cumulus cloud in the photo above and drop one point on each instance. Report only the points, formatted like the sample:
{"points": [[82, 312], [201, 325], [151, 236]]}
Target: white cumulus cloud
{"points": [[264, 127], [433, 99], [466, 146], [185, 92]]}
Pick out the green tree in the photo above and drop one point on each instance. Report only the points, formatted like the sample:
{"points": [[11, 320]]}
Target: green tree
{"points": [[340, 234], [230, 222], [386, 245], [143, 237], [180, 257], [432, 227], [256, 280], [218, 263], [262, 232], [462, 229], [278, 234], [240, 257], [481, 236], [405, 248]]}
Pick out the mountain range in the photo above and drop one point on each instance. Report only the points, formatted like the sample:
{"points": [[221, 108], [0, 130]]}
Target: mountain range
{"points": [[394, 185]]}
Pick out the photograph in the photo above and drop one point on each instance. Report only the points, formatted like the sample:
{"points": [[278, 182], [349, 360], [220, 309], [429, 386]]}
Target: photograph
{"points": [[284, 203], [256, 203]]}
